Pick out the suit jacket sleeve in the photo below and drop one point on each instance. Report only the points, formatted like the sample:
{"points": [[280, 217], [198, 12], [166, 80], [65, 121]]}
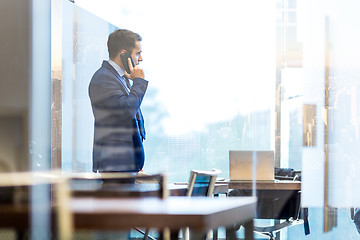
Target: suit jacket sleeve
{"points": [[108, 94]]}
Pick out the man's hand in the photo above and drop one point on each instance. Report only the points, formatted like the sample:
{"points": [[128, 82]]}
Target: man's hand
{"points": [[135, 72]]}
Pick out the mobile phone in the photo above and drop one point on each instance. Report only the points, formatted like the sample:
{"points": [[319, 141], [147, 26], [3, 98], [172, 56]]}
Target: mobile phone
{"points": [[124, 58]]}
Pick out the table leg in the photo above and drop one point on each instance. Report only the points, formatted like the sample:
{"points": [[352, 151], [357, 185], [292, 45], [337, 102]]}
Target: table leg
{"points": [[249, 229], [170, 234], [174, 235], [276, 222], [20, 234], [215, 234], [230, 233], [196, 235], [164, 234]]}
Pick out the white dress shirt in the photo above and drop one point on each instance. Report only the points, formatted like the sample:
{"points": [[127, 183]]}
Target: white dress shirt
{"points": [[120, 71]]}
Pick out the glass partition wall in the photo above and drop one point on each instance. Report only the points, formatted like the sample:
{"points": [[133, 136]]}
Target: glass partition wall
{"points": [[205, 97], [324, 124], [228, 76]]}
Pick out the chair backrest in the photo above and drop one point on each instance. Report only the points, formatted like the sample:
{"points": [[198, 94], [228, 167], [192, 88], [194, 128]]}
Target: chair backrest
{"points": [[201, 183], [118, 185], [17, 190]]}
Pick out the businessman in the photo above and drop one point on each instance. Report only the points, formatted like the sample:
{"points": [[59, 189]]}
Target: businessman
{"points": [[116, 96]]}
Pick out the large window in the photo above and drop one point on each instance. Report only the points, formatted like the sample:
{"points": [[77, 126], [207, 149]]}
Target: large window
{"points": [[206, 94]]}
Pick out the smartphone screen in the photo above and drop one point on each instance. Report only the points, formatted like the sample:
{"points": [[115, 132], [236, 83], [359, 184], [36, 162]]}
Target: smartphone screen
{"points": [[124, 58]]}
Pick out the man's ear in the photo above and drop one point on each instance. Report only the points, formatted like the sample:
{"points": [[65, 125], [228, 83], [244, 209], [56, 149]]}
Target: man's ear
{"points": [[123, 51]]}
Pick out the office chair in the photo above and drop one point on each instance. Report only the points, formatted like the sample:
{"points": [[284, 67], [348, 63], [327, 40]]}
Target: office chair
{"points": [[298, 216], [16, 191], [355, 217], [119, 185], [201, 184]]}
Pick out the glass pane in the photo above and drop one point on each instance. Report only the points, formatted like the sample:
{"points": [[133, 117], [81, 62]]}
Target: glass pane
{"points": [[205, 95], [344, 114], [83, 39]]}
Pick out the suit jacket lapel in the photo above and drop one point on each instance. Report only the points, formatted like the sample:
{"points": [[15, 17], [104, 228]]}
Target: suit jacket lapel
{"points": [[123, 87]]}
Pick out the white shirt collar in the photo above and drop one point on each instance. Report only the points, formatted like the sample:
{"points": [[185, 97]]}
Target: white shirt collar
{"points": [[120, 71]]}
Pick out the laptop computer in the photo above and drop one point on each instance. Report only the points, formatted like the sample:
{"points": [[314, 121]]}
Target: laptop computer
{"points": [[241, 165]]}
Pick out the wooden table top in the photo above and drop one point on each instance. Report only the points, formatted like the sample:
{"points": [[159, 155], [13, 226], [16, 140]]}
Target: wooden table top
{"points": [[179, 189], [123, 213], [201, 213], [266, 185], [145, 190]]}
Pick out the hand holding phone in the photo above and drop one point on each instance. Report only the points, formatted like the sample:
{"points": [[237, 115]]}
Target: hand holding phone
{"points": [[132, 71], [124, 58]]}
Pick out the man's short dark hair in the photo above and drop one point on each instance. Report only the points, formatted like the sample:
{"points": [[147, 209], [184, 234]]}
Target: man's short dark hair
{"points": [[122, 39]]}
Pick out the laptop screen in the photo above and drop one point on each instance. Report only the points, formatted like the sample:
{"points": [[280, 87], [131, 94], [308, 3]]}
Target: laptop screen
{"points": [[251, 165]]}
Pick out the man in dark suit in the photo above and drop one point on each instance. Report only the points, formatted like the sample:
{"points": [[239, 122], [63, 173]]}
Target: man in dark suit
{"points": [[119, 125]]}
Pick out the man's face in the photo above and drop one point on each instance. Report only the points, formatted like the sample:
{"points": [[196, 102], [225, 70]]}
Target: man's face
{"points": [[136, 53]]}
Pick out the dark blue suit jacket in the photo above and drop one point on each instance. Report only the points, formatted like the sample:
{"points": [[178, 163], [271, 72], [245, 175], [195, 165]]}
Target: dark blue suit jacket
{"points": [[117, 136]]}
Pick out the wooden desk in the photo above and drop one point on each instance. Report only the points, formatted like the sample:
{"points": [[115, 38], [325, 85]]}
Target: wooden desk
{"points": [[277, 199], [266, 185], [200, 214], [146, 190]]}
